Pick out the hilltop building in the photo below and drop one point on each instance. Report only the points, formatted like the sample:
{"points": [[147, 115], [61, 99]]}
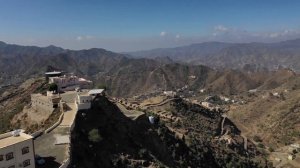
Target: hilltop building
{"points": [[95, 92], [52, 74], [16, 150], [83, 99], [67, 83], [45, 103]]}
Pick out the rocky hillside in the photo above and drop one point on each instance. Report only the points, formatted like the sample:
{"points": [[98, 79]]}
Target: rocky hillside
{"points": [[14, 98], [143, 76], [113, 140], [271, 115]]}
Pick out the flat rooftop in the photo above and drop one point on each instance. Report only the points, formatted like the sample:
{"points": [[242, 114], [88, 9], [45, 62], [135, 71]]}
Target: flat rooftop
{"points": [[8, 139], [83, 93], [53, 73], [96, 91]]}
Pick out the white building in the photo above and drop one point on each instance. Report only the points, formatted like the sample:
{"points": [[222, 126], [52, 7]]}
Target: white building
{"points": [[202, 90], [16, 150], [83, 100], [170, 93], [295, 145], [226, 99], [206, 104], [291, 157], [95, 92], [252, 91], [68, 83]]}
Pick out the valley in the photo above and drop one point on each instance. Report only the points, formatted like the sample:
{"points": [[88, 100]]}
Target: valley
{"points": [[231, 117]]}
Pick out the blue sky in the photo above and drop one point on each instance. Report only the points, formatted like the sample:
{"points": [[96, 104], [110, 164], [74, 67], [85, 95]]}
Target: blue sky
{"points": [[127, 25]]}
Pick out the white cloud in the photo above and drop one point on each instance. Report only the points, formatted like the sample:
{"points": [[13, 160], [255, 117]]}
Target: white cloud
{"points": [[86, 37], [229, 34], [274, 35], [79, 38], [89, 37], [221, 28], [163, 33]]}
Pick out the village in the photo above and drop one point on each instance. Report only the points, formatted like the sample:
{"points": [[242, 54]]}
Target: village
{"points": [[68, 94]]}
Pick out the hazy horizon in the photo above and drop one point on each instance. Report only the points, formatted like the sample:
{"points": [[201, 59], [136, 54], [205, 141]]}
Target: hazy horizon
{"points": [[141, 25]]}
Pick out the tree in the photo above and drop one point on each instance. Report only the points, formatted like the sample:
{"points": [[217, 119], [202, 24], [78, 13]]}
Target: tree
{"points": [[102, 86], [53, 87], [94, 135]]}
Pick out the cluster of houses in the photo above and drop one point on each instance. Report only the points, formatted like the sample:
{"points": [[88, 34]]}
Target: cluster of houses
{"points": [[17, 147], [68, 82]]}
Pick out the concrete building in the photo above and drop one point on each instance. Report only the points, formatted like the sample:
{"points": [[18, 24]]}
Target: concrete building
{"points": [[52, 74], [226, 99], [16, 150], [252, 91], [68, 83], [202, 90], [48, 103], [291, 157], [295, 145], [170, 93], [95, 92], [206, 104], [83, 100]]}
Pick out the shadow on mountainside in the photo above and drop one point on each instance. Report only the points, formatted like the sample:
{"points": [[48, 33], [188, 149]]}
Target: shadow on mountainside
{"points": [[123, 142]]}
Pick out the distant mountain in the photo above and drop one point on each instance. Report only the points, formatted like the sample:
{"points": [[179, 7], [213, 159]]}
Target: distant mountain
{"points": [[191, 52], [8, 50], [233, 55], [127, 76], [31, 60]]}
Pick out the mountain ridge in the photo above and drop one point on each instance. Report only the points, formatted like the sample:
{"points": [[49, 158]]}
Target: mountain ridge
{"points": [[232, 55]]}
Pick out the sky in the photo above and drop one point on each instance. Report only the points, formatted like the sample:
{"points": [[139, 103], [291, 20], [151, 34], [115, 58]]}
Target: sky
{"points": [[129, 25]]}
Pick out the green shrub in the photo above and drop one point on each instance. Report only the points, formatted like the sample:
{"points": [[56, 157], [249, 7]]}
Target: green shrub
{"points": [[257, 138], [142, 152], [102, 86], [94, 136], [53, 87], [260, 145]]}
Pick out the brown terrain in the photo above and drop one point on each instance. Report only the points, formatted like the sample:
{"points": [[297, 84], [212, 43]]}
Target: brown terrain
{"points": [[15, 107]]}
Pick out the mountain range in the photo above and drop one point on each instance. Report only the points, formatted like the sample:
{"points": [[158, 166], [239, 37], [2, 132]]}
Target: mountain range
{"points": [[232, 55], [127, 76]]}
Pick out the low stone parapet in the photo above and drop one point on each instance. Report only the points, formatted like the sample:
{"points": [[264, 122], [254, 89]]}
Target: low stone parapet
{"points": [[56, 124]]}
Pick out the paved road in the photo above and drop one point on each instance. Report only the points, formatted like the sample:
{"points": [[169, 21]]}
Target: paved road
{"points": [[45, 144], [46, 148], [69, 116]]}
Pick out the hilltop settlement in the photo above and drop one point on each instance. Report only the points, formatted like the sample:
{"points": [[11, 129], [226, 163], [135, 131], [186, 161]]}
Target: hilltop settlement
{"points": [[68, 122]]}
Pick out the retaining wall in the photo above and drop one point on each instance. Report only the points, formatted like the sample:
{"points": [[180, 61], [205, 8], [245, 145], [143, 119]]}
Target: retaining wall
{"points": [[56, 124]]}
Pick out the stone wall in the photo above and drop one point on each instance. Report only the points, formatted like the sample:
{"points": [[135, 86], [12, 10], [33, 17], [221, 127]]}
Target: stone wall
{"points": [[41, 103]]}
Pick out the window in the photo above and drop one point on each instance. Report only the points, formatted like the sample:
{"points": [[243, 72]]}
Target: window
{"points": [[1, 157], [25, 150], [9, 156], [26, 163]]}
